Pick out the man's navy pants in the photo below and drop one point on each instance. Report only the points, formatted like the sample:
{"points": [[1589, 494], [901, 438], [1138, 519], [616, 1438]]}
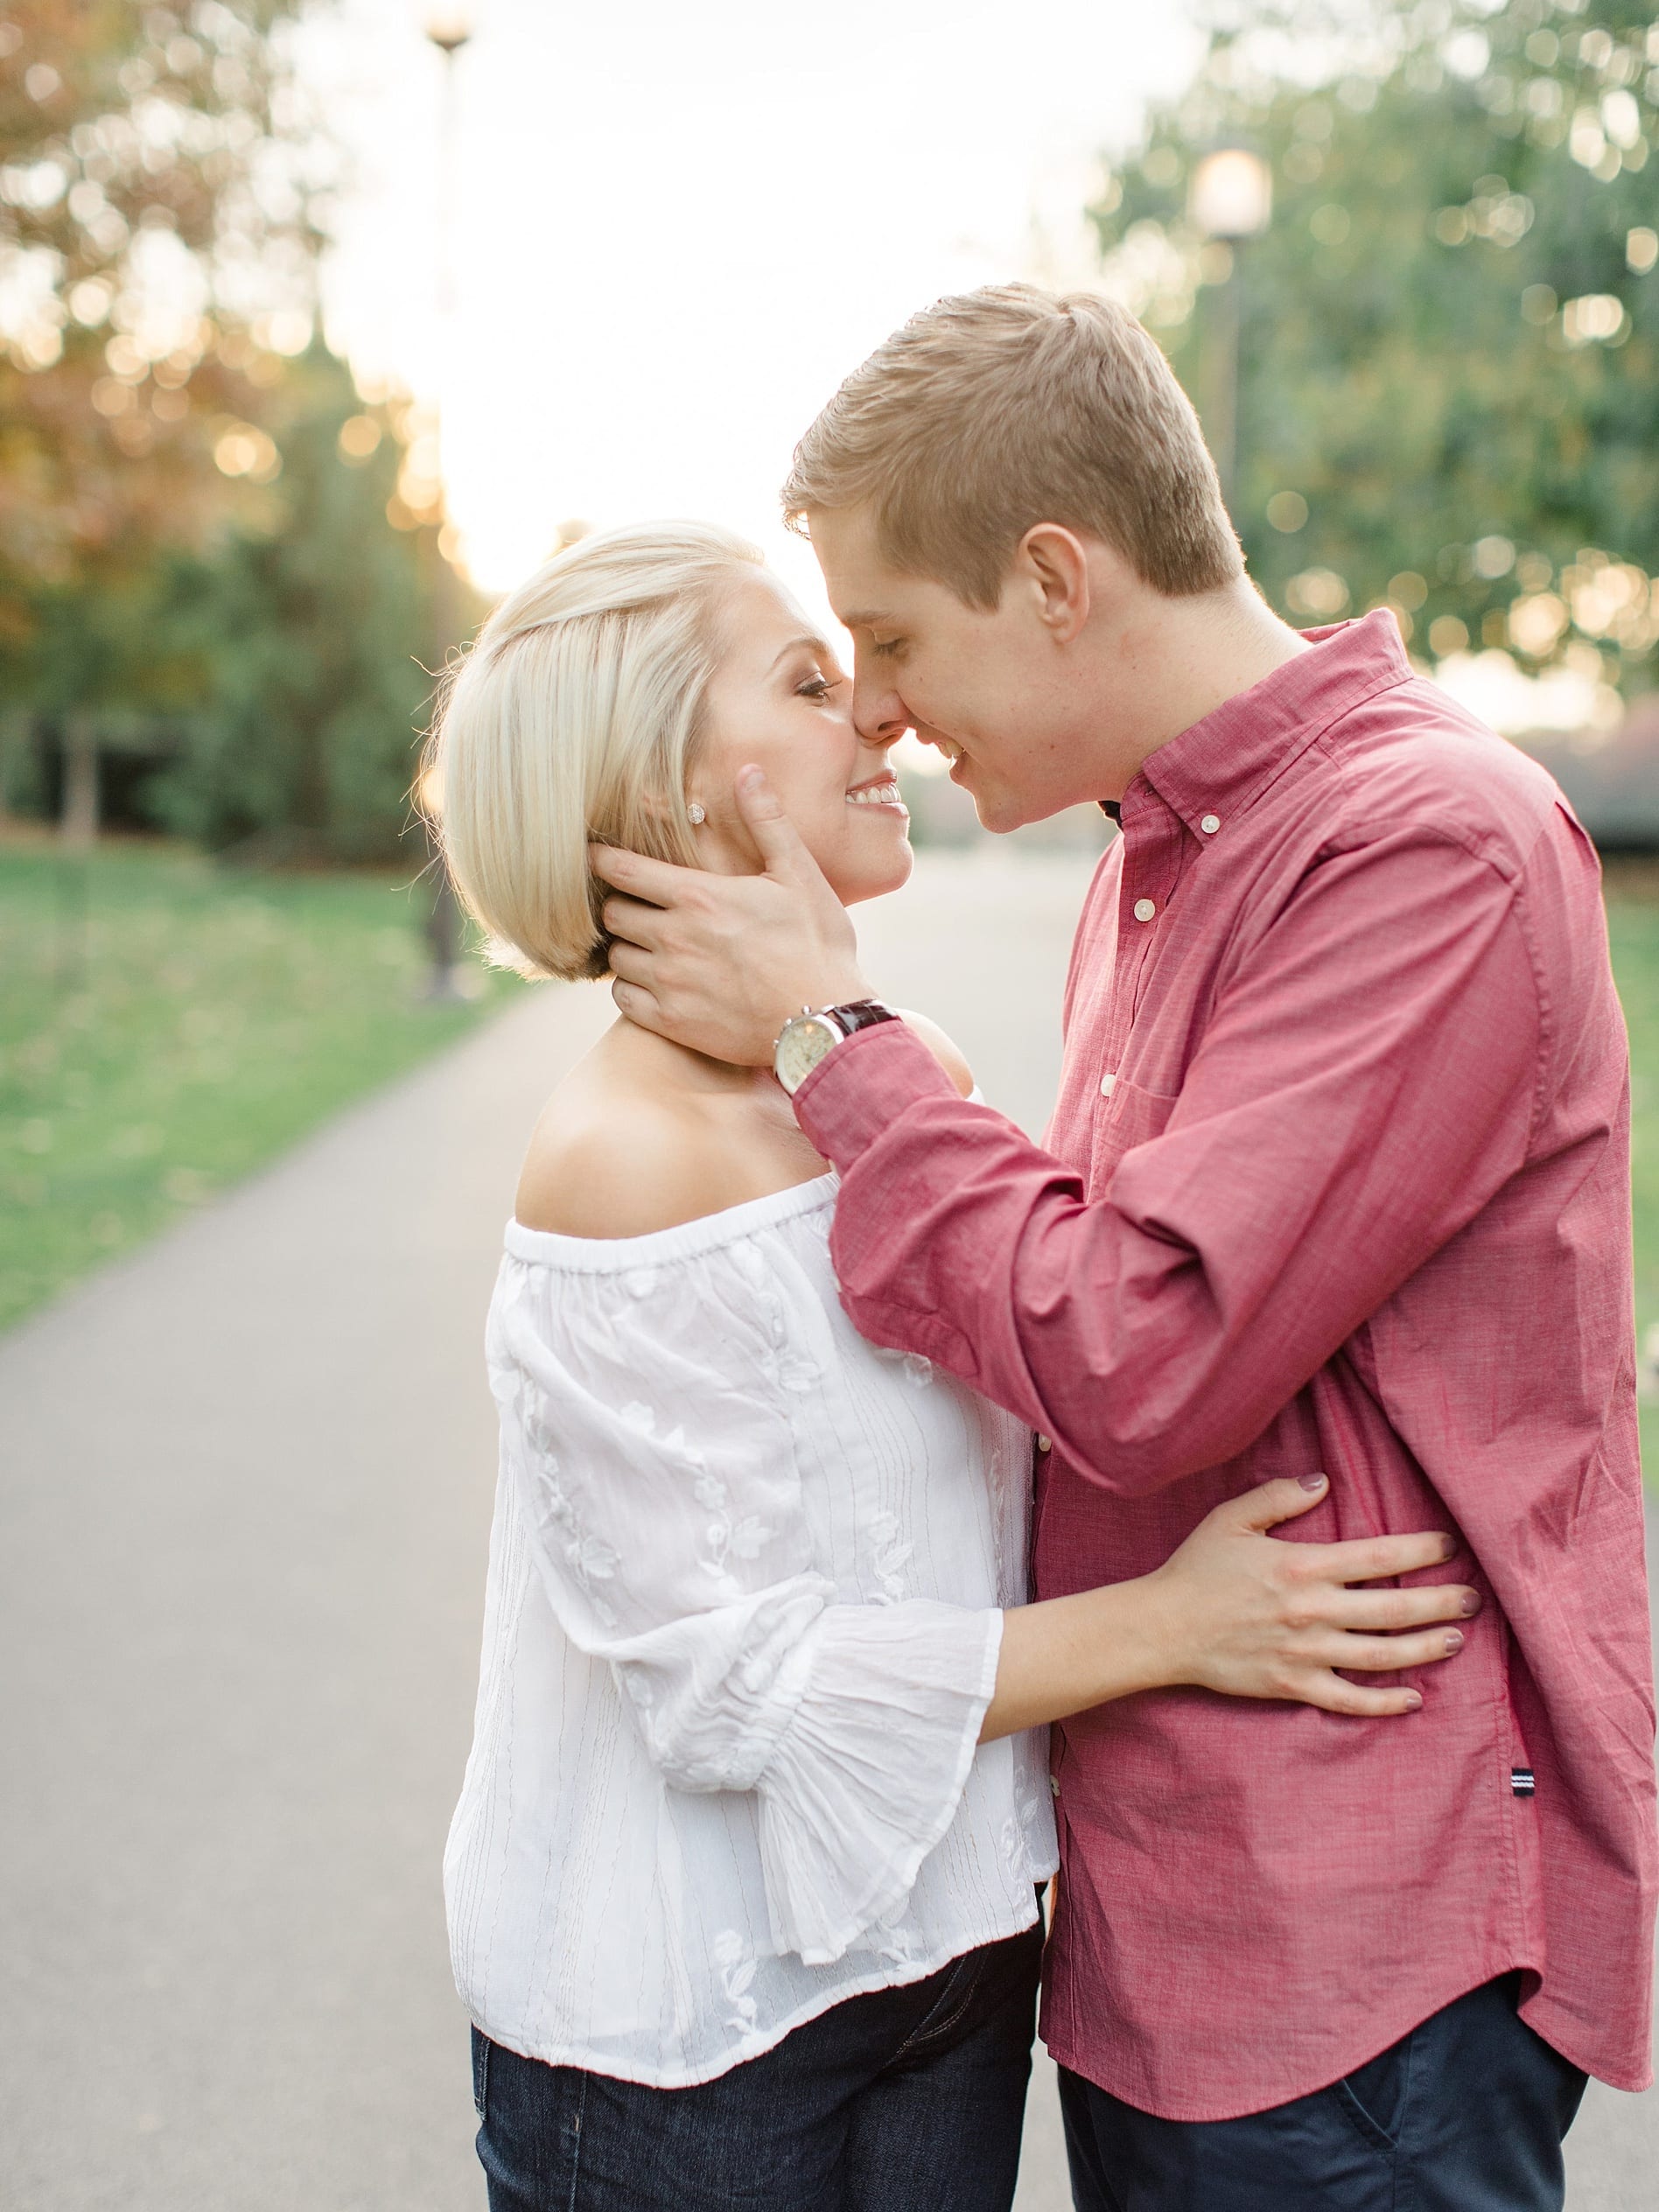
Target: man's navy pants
{"points": [[1465, 2114]]}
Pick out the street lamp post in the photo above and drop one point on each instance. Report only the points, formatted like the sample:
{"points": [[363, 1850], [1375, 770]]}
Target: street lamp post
{"points": [[1231, 201], [448, 27]]}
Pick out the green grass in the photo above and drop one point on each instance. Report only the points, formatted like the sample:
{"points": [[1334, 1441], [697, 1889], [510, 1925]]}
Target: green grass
{"points": [[166, 1025]]}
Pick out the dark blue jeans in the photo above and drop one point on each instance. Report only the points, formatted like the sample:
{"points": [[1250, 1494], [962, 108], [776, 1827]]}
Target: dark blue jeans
{"points": [[1465, 2114], [905, 2100]]}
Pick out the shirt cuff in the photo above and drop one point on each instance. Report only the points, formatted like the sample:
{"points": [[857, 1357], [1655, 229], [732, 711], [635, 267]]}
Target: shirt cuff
{"points": [[855, 1092]]}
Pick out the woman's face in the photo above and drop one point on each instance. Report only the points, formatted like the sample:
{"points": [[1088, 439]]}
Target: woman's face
{"points": [[779, 700]]}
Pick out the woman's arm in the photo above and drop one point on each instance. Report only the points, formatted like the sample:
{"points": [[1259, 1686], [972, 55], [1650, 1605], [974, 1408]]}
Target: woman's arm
{"points": [[1235, 1611]]}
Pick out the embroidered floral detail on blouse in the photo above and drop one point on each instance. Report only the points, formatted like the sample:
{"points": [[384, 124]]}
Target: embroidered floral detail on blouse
{"points": [[789, 1367], [589, 1558], [893, 1939], [995, 1476], [737, 1972], [1018, 1831], [726, 1539], [918, 1371], [782, 1362], [889, 1555]]}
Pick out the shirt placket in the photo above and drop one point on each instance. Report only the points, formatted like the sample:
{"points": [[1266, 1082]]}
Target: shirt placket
{"points": [[1153, 844]]}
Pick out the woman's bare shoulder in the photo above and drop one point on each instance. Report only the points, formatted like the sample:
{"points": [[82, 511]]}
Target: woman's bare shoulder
{"points": [[625, 1151]]}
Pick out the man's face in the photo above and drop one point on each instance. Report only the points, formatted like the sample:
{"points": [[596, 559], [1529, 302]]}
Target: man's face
{"points": [[987, 688]]}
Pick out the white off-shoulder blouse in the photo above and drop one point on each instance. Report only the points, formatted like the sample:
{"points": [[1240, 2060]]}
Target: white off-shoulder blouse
{"points": [[741, 1630]]}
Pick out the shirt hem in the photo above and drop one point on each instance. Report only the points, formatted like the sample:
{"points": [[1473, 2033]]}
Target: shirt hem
{"points": [[595, 2061], [1244, 2103], [1558, 2030]]}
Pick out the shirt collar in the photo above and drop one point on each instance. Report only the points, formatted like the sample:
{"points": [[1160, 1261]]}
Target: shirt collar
{"points": [[1212, 772]]}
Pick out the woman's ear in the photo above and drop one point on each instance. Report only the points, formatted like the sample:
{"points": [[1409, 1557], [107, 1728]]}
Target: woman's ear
{"points": [[654, 810]]}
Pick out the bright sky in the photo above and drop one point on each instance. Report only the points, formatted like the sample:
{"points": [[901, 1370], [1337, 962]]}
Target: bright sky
{"points": [[679, 226]]}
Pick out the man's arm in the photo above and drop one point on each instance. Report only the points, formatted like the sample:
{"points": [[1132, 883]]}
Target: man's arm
{"points": [[1366, 1084]]}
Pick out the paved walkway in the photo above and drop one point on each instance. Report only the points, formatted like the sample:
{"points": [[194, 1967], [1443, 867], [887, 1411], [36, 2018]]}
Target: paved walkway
{"points": [[245, 1484]]}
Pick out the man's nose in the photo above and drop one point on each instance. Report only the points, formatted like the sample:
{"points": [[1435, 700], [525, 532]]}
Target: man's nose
{"points": [[879, 713]]}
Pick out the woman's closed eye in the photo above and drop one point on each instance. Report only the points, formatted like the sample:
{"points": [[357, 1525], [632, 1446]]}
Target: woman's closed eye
{"points": [[819, 687]]}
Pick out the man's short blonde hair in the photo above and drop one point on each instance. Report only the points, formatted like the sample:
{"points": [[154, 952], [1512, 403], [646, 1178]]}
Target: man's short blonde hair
{"points": [[574, 718], [1009, 406]]}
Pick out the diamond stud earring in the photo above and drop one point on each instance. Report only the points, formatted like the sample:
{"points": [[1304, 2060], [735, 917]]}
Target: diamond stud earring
{"points": [[696, 812]]}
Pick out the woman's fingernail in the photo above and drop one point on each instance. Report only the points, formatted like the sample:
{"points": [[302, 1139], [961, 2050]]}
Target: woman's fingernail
{"points": [[1413, 1700], [1470, 1602], [1448, 1547], [1311, 1482], [1453, 1640]]}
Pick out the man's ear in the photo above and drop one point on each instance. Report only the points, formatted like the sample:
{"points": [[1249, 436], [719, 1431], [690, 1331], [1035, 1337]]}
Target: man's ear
{"points": [[1054, 562]]}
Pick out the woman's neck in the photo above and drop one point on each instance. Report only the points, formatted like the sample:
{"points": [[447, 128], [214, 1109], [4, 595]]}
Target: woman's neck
{"points": [[631, 1052]]}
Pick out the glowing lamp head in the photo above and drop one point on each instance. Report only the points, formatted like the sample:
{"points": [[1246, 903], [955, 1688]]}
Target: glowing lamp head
{"points": [[448, 24], [1232, 194]]}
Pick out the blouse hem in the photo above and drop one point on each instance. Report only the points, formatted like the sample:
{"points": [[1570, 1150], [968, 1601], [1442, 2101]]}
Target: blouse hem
{"points": [[690, 2078]]}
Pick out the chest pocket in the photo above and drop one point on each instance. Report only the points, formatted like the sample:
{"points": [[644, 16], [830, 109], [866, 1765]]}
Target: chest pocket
{"points": [[1129, 1117]]}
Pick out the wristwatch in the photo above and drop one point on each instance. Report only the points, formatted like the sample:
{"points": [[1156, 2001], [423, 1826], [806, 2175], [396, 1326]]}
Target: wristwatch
{"points": [[806, 1036]]}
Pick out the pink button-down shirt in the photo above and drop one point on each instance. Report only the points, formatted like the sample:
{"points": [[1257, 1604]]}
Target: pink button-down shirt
{"points": [[1338, 1180]]}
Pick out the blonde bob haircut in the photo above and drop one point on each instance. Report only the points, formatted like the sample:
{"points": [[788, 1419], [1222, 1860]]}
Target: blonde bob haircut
{"points": [[574, 718]]}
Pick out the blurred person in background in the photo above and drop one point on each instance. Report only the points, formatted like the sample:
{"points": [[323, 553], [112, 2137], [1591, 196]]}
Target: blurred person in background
{"points": [[1339, 1177], [743, 1883]]}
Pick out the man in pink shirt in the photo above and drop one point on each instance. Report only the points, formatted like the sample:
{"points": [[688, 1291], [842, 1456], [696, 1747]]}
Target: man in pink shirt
{"points": [[1338, 1179]]}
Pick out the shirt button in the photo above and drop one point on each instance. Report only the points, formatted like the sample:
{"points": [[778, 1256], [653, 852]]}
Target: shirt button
{"points": [[1210, 824], [1108, 1084], [1045, 1443], [1145, 909], [1054, 1785]]}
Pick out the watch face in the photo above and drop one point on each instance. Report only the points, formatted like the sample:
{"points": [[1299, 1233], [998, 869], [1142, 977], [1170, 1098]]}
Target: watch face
{"points": [[803, 1044]]}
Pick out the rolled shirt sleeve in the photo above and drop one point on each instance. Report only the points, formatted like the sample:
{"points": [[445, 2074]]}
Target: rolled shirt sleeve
{"points": [[663, 1500], [1366, 1080]]}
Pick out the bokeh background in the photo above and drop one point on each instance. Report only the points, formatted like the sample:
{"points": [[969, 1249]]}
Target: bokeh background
{"points": [[320, 324]]}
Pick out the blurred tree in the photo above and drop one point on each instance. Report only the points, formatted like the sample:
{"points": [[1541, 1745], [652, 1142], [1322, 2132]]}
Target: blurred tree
{"points": [[157, 252], [304, 642], [1449, 334], [200, 522]]}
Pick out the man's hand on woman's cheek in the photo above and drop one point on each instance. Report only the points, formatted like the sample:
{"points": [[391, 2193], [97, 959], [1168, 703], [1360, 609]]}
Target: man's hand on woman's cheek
{"points": [[720, 962]]}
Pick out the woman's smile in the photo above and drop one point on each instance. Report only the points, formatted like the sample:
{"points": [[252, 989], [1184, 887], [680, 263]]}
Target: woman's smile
{"points": [[882, 791]]}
